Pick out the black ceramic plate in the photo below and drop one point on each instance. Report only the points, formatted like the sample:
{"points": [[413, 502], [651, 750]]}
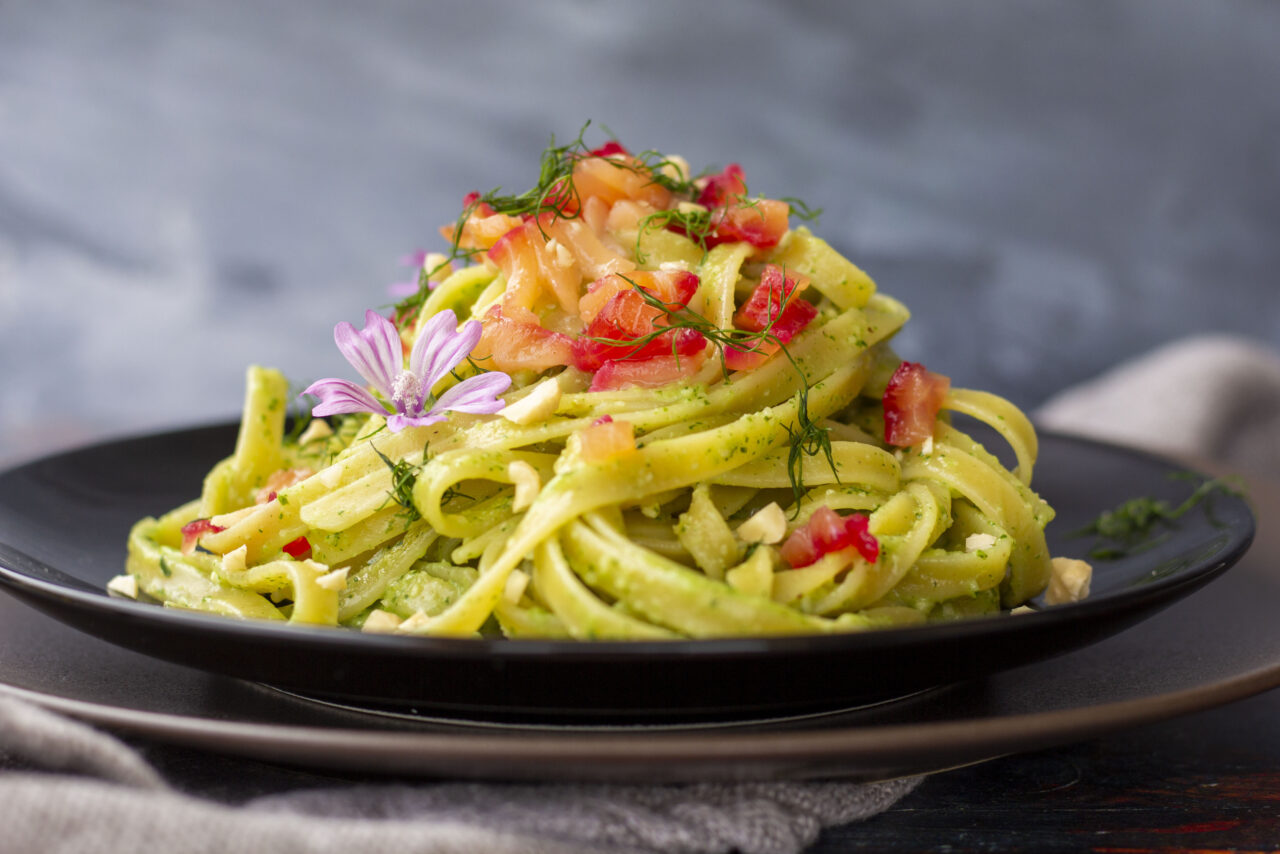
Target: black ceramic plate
{"points": [[63, 522]]}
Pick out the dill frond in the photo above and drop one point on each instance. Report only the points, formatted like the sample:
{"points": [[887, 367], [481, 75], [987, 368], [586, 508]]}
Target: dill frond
{"points": [[1134, 525], [807, 437], [404, 475]]}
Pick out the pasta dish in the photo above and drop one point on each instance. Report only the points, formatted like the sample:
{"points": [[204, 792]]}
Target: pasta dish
{"points": [[630, 403]]}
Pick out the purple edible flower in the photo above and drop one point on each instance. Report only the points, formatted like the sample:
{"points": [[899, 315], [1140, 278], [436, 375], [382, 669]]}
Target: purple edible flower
{"points": [[376, 353], [417, 258], [404, 289]]}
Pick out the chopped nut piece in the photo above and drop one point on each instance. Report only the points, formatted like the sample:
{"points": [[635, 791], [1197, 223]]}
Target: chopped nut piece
{"points": [[675, 167], [416, 624], [1069, 581], [768, 525], [978, 542], [527, 483], [336, 580], [125, 585], [318, 428], [538, 405], [438, 264], [381, 621], [563, 257], [235, 560]]}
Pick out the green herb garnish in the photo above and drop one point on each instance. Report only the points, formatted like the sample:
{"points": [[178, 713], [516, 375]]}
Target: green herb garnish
{"points": [[694, 220], [807, 437], [404, 475], [1133, 525], [554, 194]]}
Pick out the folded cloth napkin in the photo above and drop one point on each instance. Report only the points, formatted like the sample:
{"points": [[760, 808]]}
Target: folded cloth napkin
{"points": [[66, 787], [1208, 397]]}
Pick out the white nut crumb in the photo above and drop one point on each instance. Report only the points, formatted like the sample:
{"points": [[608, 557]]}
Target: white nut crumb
{"points": [[439, 262], [517, 581], [527, 483], [336, 580], [125, 585], [1023, 609], [926, 447], [563, 257], [235, 560], [1069, 581], [381, 621], [318, 428], [767, 525], [415, 624], [538, 405], [978, 542], [675, 167]]}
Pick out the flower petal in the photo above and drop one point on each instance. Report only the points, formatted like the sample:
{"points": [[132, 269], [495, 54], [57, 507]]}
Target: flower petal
{"points": [[397, 422], [454, 351], [476, 394], [402, 289], [375, 351], [338, 396], [436, 333]]}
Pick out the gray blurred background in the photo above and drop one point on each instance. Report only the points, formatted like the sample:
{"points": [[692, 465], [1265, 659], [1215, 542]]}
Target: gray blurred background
{"points": [[189, 187]]}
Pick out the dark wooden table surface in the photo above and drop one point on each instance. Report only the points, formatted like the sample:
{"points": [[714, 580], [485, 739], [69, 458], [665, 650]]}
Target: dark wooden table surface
{"points": [[1203, 782]]}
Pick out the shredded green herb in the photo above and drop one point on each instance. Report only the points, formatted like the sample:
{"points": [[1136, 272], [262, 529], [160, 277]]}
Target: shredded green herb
{"points": [[695, 221], [554, 194], [1133, 526], [800, 210], [404, 475], [807, 437]]}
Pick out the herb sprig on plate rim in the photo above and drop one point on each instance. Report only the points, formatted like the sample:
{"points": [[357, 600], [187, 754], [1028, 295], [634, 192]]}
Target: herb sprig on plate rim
{"points": [[1134, 525]]}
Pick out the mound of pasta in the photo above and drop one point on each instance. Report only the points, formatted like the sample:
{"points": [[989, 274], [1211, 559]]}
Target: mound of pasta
{"points": [[630, 403]]}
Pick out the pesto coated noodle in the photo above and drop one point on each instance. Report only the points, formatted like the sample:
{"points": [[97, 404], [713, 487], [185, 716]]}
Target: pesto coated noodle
{"points": [[627, 404]]}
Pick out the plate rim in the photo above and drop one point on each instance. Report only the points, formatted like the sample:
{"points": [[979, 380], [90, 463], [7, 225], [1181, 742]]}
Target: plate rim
{"points": [[518, 649], [903, 749], [847, 751]]}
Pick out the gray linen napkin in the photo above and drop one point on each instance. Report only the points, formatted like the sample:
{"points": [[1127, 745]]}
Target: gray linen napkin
{"points": [[1208, 397], [67, 788]]}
